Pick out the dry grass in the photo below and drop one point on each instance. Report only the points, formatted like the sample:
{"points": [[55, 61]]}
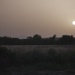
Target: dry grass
{"points": [[43, 48]]}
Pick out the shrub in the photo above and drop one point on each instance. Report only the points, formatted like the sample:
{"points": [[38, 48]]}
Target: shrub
{"points": [[6, 56]]}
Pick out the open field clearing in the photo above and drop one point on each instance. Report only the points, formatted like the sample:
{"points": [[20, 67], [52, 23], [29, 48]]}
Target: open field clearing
{"points": [[38, 73], [44, 48], [37, 60]]}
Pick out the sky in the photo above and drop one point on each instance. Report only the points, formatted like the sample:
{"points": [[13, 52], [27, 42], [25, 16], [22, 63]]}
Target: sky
{"points": [[22, 18]]}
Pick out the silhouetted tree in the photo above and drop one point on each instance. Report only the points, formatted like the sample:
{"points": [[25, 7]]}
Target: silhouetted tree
{"points": [[37, 37], [53, 39], [29, 37], [38, 40], [67, 39]]}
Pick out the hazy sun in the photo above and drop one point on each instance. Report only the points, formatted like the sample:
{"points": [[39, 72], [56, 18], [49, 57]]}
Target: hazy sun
{"points": [[73, 22]]}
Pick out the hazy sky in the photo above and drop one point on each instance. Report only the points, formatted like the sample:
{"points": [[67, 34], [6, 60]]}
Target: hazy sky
{"points": [[22, 18]]}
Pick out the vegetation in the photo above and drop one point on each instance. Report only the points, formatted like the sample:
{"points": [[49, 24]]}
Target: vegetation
{"points": [[52, 60], [38, 40], [6, 57]]}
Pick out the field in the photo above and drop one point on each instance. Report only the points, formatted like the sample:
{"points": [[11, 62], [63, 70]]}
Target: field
{"points": [[39, 60], [43, 48]]}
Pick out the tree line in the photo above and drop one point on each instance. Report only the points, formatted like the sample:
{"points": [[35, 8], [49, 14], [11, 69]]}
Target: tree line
{"points": [[38, 40]]}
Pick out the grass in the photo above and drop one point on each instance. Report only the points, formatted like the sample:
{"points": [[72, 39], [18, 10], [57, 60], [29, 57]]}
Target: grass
{"points": [[36, 60]]}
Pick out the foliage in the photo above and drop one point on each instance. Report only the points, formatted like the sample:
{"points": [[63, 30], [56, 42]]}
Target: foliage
{"points": [[6, 56], [49, 60], [38, 40]]}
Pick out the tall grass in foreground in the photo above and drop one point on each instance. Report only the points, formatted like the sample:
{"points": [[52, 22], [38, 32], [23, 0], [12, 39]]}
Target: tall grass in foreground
{"points": [[38, 60]]}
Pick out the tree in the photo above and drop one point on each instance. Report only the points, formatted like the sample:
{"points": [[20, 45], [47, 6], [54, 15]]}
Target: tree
{"points": [[53, 39], [67, 39], [37, 37], [29, 37]]}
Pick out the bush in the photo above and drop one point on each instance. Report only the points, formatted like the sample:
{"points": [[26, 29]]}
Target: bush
{"points": [[50, 59], [6, 56]]}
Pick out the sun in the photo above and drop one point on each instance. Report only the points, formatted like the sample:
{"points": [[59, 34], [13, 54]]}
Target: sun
{"points": [[73, 22]]}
